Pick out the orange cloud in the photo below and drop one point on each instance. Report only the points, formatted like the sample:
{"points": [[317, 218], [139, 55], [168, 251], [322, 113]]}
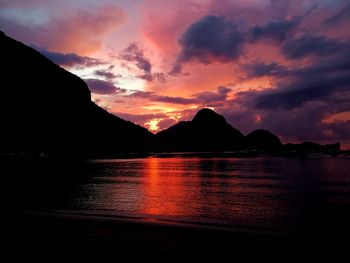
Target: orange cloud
{"points": [[82, 31], [68, 29], [175, 16]]}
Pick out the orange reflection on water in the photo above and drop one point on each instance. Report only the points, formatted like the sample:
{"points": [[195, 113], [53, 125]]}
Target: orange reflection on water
{"points": [[165, 189]]}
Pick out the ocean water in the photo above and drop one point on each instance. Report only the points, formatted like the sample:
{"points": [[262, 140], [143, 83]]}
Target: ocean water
{"points": [[296, 196]]}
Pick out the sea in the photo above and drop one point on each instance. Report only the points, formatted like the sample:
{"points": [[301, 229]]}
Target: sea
{"points": [[296, 196], [302, 196]]}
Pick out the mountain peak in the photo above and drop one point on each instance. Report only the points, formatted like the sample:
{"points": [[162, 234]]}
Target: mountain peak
{"points": [[263, 140], [206, 115], [54, 113]]}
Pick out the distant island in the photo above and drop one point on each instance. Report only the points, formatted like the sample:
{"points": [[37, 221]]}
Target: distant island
{"points": [[38, 117]]}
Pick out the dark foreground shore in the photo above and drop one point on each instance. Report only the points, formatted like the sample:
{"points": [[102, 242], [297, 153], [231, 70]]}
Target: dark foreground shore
{"points": [[60, 237]]}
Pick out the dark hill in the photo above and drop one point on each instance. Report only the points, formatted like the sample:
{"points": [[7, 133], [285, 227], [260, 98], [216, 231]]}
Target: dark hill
{"points": [[208, 131], [44, 108], [263, 140]]}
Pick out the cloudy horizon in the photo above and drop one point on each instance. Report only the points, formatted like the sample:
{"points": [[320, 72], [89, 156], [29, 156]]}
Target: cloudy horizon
{"points": [[279, 65]]}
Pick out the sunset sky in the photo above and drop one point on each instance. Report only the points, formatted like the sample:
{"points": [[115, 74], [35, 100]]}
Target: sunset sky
{"points": [[274, 64]]}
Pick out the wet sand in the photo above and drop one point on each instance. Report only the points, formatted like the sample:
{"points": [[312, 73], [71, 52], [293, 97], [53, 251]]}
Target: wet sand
{"points": [[62, 237]]}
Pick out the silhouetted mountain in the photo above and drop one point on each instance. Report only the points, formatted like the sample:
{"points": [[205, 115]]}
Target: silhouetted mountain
{"points": [[44, 108], [263, 140], [208, 131]]}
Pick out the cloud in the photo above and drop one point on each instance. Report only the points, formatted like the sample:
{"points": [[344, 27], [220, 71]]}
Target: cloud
{"points": [[106, 73], [303, 94], [292, 125], [21, 3], [160, 98], [224, 38], [259, 69], [342, 14], [203, 98], [163, 120], [68, 59], [274, 30], [140, 118], [79, 31], [166, 123], [324, 78], [304, 90], [309, 45], [278, 30], [103, 87], [135, 54], [210, 38], [160, 76], [207, 98]]}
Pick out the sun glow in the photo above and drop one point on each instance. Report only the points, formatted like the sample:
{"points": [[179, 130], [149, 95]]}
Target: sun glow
{"points": [[153, 125]]}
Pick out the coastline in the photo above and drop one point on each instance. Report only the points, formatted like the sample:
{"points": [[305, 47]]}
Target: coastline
{"points": [[107, 239]]}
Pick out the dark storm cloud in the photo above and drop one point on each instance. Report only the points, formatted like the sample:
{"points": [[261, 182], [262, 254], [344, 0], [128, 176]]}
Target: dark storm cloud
{"points": [[68, 59], [208, 97], [208, 38], [278, 30], [103, 87], [342, 14], [211, 36], [275, 30], [323, 66], [255, 70], [309, 45], [324, 78], [217, 38], [304, 90]]}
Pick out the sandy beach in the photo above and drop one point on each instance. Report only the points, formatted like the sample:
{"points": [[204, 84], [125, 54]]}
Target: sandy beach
{"points": [[62, 237]]}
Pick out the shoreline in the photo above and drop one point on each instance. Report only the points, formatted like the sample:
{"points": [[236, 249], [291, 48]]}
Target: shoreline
{"points": [[342, 154], [94, 236]]}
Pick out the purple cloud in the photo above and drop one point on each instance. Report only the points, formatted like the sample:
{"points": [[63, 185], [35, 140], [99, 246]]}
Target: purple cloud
{"points": [[134, 53], [68, 59], [106, 73], [255, 70], [309, 45], [274, 30], [338, 17], [210, 37], [210, 98], [160, 98], [103, 87], [204, 98]]}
